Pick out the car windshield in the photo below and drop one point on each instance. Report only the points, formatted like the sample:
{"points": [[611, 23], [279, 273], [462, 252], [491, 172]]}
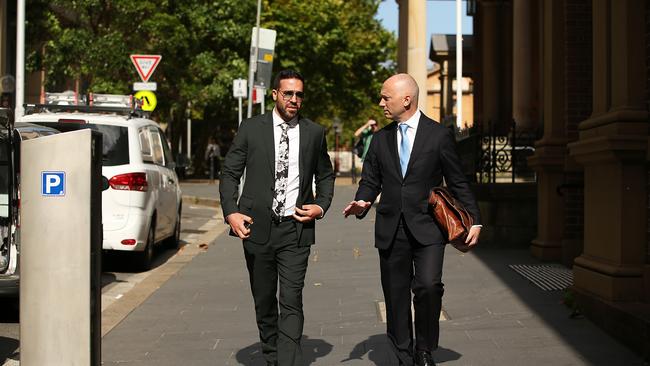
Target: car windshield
{"points": [[115, 140]]}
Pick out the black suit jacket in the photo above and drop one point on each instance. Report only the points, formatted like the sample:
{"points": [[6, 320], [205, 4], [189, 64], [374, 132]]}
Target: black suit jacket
{"points": [[254, 149], [433, 157]]}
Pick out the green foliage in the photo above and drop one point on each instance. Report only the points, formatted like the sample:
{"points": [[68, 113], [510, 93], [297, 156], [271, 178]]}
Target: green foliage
{"points": [[340, 49], [338, 46]]}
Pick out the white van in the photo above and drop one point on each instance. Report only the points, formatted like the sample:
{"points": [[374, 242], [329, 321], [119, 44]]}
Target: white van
{"points": [[142, 205]]}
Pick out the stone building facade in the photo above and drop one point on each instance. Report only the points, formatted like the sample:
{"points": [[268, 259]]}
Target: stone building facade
{"points": [[578, 70]]}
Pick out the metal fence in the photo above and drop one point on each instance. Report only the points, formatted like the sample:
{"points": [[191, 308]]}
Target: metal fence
{"points": [[497, 153]]}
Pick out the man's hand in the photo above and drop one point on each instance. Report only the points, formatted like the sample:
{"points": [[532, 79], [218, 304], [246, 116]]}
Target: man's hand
{"points": [[307, 213], [240, 223], [472, 236], [356, 208]]}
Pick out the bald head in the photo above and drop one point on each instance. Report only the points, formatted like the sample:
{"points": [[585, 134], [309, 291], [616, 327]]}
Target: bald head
{"points": [[399, 97], [406, 84]]}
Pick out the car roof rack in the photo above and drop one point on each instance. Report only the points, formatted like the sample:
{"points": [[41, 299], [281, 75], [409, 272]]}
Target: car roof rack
{"points": [[70, 101], [126, 111]]}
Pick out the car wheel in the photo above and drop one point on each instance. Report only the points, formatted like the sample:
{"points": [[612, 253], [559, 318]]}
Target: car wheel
{"points": [[174, 241], [146, 257]]}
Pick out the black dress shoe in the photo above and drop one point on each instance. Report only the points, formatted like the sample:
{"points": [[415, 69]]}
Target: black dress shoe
{"points": [[424, 358]]}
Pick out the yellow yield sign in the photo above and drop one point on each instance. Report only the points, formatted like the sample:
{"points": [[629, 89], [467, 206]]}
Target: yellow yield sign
{"points": [[148, 99]]}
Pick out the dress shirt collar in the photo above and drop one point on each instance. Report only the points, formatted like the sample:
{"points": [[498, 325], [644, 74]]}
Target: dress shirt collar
{"points": [[413, 121], [277, 120]]}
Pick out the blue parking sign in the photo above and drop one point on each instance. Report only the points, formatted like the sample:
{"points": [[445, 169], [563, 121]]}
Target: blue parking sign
{"points": [[53, 184]]}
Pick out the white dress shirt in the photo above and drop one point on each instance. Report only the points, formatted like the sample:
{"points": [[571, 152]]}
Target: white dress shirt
{"points": [[413, 123], [293, 180]]}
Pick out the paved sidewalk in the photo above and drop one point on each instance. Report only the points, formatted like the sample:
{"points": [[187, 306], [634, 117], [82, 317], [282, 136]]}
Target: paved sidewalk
{"points": [[204, 314]]}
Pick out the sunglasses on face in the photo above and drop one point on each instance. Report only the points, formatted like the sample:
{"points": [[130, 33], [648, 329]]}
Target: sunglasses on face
{"points": [[288, 94]]}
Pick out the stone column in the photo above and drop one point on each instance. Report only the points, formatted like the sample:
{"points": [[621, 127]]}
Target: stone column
{"points": [[490, 61], [613, 147], [413, 44], [550, 151], [402, 36], [522, 93]]}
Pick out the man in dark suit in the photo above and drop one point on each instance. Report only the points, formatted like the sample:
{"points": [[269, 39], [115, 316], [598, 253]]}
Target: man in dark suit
{"points": [[406, 159], [283, 153]]}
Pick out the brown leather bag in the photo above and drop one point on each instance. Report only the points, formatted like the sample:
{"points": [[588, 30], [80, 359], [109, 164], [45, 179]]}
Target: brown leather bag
{"points": [[451, 216]]}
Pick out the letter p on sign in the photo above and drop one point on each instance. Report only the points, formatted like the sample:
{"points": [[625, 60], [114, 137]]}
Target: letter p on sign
{"points": [[53, 184]]}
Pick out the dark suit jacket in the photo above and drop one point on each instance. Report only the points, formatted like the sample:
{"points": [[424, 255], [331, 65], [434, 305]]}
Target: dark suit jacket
{"points": [[254, 149], [433, 157]]}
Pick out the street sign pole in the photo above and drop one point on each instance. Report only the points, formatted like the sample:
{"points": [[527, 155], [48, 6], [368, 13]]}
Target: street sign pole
{"points": [[20, 58], [240, 111], [252, 67], [263, 92], [189, 131]]}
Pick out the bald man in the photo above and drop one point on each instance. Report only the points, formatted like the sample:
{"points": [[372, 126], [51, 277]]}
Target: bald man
{"points": [[406, 159]]}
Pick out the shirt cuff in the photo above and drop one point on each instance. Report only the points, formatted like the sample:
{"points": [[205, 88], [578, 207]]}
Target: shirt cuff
{"points": [[322, 212], [477, 226]]}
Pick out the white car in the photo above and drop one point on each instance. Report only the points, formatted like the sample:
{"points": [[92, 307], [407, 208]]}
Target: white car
{"points": [[142, 205]]}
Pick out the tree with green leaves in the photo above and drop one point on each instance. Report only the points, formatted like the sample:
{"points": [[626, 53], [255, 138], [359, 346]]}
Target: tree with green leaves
{"points": [[342, 50]]}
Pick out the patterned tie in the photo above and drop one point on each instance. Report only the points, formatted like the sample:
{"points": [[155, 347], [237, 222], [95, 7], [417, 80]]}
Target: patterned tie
{"points": [[404, 148], [281, 172]]}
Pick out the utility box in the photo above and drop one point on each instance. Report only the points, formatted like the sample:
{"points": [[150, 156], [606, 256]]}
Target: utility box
{"points": [[61, 239]]}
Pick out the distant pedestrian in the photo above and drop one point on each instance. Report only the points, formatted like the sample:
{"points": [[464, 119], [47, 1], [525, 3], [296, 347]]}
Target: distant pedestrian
{"points": [[283, 152], [405, 160], [213, 158], [365, 133]]}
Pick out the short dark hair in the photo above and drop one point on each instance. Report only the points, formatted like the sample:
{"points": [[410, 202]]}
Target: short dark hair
{"points": [[286, 74]]}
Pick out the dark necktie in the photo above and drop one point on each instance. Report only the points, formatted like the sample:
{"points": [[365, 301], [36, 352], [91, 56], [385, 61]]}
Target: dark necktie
{"points": [[281, 172]]}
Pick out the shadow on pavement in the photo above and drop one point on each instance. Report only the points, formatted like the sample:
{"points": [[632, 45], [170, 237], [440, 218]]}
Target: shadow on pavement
{"points": [[445, 354], [379, 352], [593, 344], [312, 349], [376, 346], [8, 349]]}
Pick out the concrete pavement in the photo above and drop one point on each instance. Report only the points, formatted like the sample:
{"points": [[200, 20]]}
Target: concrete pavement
{"points": [[203, 315]]}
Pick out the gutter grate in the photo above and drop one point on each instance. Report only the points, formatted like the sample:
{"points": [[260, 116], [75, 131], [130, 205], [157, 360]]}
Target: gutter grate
{"points": [[548, 277]]}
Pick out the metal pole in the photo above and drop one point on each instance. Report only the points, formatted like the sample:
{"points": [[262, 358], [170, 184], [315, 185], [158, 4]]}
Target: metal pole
{"points": [[513, 151], [189, 132], [336, 149], [354, 165], [252, 67], [459, 65], [263, 92], [240, 110], [20, 58], [211, 169]]}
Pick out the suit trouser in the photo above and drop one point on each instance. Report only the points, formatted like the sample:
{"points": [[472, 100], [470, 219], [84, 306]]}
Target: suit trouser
{"points": [[282, 258], [409, 266]]}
